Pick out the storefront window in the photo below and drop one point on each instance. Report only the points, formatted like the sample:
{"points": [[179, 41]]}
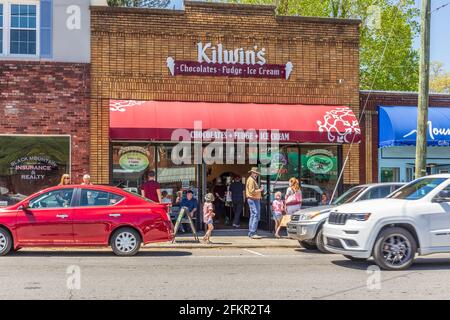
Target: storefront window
{"points": [[175, 179], [283, 166], [391, 174], [31, 163], [319, 173], [130, 164]]}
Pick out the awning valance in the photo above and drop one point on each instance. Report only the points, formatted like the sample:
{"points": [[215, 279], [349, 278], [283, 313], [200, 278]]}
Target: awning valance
{"points": [[398, 126], [157, 120]]}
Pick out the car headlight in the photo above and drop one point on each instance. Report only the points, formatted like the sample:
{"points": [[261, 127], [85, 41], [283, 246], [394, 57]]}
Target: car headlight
{"points": [[309, 215], [359, 216]]}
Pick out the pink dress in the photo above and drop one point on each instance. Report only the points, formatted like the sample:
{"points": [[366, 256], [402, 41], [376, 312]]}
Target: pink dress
{"points": [[278, 206], [208, 208]]}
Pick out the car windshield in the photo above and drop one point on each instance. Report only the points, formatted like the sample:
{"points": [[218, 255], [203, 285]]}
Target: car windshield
{"points": [[349, 196], [417, 189]]}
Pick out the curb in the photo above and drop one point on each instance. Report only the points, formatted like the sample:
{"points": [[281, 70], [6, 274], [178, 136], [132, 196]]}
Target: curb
{"points": [[221, 246]]}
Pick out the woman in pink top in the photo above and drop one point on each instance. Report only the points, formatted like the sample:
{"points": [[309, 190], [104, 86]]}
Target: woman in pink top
{"points": [[208, 216]]}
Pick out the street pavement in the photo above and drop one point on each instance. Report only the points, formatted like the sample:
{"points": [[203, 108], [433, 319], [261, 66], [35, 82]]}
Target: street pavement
{"points": [[213, 273], [231, 238]]}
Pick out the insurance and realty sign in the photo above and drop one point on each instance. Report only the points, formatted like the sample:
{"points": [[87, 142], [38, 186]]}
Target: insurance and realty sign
{"points": [[218, 61]]}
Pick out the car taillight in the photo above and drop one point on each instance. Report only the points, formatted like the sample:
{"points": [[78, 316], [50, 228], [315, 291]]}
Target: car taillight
{"points": [[167, 211]]}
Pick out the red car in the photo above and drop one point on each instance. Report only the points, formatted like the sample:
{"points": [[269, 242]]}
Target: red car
{"points": [[80, 215]]}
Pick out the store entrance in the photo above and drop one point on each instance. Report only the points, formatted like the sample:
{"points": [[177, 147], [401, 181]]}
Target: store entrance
{"points": [[225, 182]]}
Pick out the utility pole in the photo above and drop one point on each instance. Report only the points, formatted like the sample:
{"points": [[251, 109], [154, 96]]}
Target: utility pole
{"points": [[424, 87]]}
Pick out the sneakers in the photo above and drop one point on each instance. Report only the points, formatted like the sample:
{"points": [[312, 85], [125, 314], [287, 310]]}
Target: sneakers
{"points": [[236, 225], [255, 236]]}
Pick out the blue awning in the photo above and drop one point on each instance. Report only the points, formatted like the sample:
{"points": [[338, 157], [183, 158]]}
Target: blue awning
{"points": [[398, 126]]}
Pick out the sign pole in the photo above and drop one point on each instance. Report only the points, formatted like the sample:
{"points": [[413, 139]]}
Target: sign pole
{"points": [[424, 87]]}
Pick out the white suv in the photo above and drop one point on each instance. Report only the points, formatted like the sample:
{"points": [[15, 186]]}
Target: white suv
{"points": [[413, 219]]}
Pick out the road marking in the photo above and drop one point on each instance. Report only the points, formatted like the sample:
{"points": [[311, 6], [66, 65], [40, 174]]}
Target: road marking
{"points": [[254, 252]]}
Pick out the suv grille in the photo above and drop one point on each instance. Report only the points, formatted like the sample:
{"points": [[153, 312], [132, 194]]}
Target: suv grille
{"points": [[338, 218]]}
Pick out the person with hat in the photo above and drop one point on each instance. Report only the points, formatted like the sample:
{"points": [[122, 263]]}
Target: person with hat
{"points": [[151, 189], [253, 193]]}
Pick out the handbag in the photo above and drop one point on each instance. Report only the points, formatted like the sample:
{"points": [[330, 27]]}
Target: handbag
{"points": [[294, 199], [285, 220]]}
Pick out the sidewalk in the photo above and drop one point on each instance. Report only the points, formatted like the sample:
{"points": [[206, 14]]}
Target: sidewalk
{"points": [[228, 239]]}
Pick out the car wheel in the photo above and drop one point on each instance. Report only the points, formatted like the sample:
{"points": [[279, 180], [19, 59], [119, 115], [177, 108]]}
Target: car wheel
{"points": [[5, 242], [395, 249], [125, 242], [355, 259], [308, 245], [320, 244]]}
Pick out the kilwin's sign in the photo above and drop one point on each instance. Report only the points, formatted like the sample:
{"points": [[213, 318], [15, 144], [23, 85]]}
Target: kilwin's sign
{"points": [[237, 62]]}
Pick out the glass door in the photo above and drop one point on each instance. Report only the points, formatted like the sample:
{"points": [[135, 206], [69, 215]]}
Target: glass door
{"points": [[284, 164]]}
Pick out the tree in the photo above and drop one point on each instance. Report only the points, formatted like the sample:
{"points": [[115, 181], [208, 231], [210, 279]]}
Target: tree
{"points": [[388, 58], [439, 78]]}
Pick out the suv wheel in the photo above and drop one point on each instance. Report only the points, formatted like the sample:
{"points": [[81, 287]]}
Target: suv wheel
{"points": [[5, 242], [320, 243], [395, 249], [126, 242], [308, 245]]}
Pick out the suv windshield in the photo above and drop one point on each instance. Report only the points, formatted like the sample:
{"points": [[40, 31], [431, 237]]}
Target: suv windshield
{"points": [[349, 196], [417, 189]]}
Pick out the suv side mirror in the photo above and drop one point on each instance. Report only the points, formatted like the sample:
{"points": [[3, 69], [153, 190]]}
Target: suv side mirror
{"points": [[443, 196]]}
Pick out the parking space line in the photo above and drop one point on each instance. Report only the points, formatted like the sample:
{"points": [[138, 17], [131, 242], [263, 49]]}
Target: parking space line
{"points": [[254, 252]]}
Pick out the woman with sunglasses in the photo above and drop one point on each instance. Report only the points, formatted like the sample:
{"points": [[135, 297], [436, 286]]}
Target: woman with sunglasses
{"points": [[65, 180]]}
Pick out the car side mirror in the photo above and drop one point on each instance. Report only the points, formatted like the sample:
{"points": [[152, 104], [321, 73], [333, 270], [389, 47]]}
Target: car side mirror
{"points": [[25, 205], [443, 196]]}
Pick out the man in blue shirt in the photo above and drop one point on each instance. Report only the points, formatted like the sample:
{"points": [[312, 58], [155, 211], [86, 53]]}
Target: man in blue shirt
{"points": [[190, 203]]}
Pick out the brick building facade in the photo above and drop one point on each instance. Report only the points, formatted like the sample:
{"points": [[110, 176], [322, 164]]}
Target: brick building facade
{"points": [[138, 56], [44, 94], [47, 98], [130, 48]]}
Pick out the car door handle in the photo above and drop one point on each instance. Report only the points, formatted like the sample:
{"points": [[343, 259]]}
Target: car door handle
{"points": [[62, 216], [115, 215]]}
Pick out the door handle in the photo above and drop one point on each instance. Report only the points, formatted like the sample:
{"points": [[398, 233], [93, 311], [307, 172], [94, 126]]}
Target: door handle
{"points": [[62, 216], [115, 215]]}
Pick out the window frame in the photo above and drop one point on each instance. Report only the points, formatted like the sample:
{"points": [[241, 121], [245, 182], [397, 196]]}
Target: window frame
{"points": [[70, 206], [7, 22], [77, 203]]}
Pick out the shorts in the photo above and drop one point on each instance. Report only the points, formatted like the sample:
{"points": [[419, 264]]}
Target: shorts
{"points": [[210, 221], [277, 216]]}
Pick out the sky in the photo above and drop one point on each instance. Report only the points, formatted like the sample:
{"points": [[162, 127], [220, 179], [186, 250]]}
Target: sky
{"points": [[440, 32]]}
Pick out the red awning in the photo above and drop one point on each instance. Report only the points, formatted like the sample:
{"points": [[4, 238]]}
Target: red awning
{"points": [[157, 120]]}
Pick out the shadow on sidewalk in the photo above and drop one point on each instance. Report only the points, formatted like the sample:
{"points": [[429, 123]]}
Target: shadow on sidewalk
{"points": [[229, 233]]}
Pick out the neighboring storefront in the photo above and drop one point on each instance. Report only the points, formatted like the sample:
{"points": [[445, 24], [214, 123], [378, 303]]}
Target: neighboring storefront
{"points": [[397, 141], [231, 68], [389, 131], [44, 100], [29, 163]]}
